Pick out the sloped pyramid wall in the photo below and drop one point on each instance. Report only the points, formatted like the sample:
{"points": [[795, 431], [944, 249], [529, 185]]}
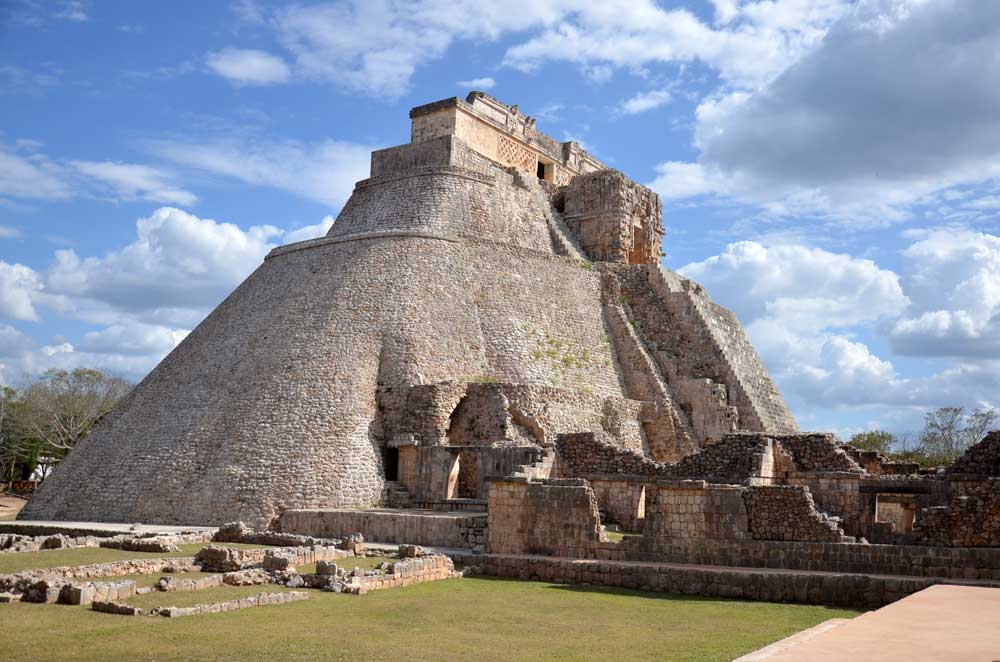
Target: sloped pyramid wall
{"points": [[443, 267], [269, 402]]}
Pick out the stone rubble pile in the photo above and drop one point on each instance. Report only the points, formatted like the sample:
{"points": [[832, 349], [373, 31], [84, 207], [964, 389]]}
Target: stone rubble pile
{"points": [[982, 458], [243, 533]]}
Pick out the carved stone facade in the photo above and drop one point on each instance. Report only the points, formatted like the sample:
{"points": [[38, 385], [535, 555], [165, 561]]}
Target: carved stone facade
{"points": [[615, 219]]}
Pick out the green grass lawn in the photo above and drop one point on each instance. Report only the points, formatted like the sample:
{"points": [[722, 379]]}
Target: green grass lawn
{"points": [[463, 619], [618, 536], [204, 596]]}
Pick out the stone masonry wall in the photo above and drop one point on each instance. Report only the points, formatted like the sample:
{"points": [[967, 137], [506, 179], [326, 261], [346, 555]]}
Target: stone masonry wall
{"points": [[554, 517], [592, 453], [734, 460], [614, 218], [818, 452], [390, 526], [787, 512], [837, 494], [708, 341], [509, 413], [972, 518], [430, 568], [982, 458], [846, 590], [623, 499], [692, 509]]}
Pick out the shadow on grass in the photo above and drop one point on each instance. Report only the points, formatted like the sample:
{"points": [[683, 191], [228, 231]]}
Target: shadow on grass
{"points": [[651, 595]]}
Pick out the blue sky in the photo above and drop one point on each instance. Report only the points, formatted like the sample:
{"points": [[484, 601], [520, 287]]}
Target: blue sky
{"points": [[829, 168]]}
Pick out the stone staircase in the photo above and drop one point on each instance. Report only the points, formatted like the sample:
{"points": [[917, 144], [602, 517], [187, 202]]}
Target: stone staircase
{"points": [[562, 237], [669, 436], [395, 495], [721, 336], [541, 468], [680, 343]]}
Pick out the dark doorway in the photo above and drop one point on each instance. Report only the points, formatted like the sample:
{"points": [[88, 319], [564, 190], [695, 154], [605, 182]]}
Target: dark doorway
{"points": [[468, 475], [540, 170], [390, 462]]}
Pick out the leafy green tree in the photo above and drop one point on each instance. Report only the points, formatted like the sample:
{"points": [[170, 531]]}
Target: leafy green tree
{"points": [[879, 441], [948, 431], [61, 407]]}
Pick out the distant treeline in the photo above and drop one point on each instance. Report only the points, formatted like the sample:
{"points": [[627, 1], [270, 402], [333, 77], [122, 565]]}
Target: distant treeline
{"points": [[947, 432]]}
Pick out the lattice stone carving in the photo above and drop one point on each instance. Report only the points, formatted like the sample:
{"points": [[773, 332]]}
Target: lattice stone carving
{"points": [[514, 154]]}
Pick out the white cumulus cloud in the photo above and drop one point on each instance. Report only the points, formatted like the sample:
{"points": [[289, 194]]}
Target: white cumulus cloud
{"points": [[644, 101], [131, 181], [248, 66], [485, 83], [325, 171], [896, 103]]}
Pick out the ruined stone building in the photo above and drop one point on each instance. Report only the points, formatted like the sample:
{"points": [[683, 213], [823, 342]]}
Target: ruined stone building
{"points": [[486, 290]]}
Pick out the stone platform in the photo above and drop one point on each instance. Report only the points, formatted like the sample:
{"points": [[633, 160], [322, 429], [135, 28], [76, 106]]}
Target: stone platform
{"points": [[97, 529], [856, 590], [938, 624], [416, 527]]}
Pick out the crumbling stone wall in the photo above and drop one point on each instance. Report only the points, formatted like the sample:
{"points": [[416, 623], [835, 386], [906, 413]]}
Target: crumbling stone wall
{"points": [[693, 509], [836, 493], [694, 340], [406, 572], [971, 519], [818, 452], [553, 517], [787, 512], [593, 453], [500, 413], [736, 459], [982, 458], [624, 499]]}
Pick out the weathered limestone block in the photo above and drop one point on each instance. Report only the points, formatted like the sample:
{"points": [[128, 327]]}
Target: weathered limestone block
{"points": [[227, 559]]}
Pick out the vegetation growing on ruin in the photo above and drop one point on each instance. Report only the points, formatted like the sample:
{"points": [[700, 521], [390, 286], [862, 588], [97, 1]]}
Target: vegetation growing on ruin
{"points": [[467, 619]]}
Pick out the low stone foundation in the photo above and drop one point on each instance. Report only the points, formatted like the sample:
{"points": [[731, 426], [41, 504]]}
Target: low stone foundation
{"points": [[419, 527], [18, 582], [156, 545], [914, 560], [117, 608], [260, 600], [85, 594], [403, 573], [229, 559], [11, 543], [181, 584], [242, 533], [844, 590]]}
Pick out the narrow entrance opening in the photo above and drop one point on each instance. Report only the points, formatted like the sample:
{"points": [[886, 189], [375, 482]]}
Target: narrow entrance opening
{"points": [[545, 170], [390, 463], [637, 254], [468, 476]]}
